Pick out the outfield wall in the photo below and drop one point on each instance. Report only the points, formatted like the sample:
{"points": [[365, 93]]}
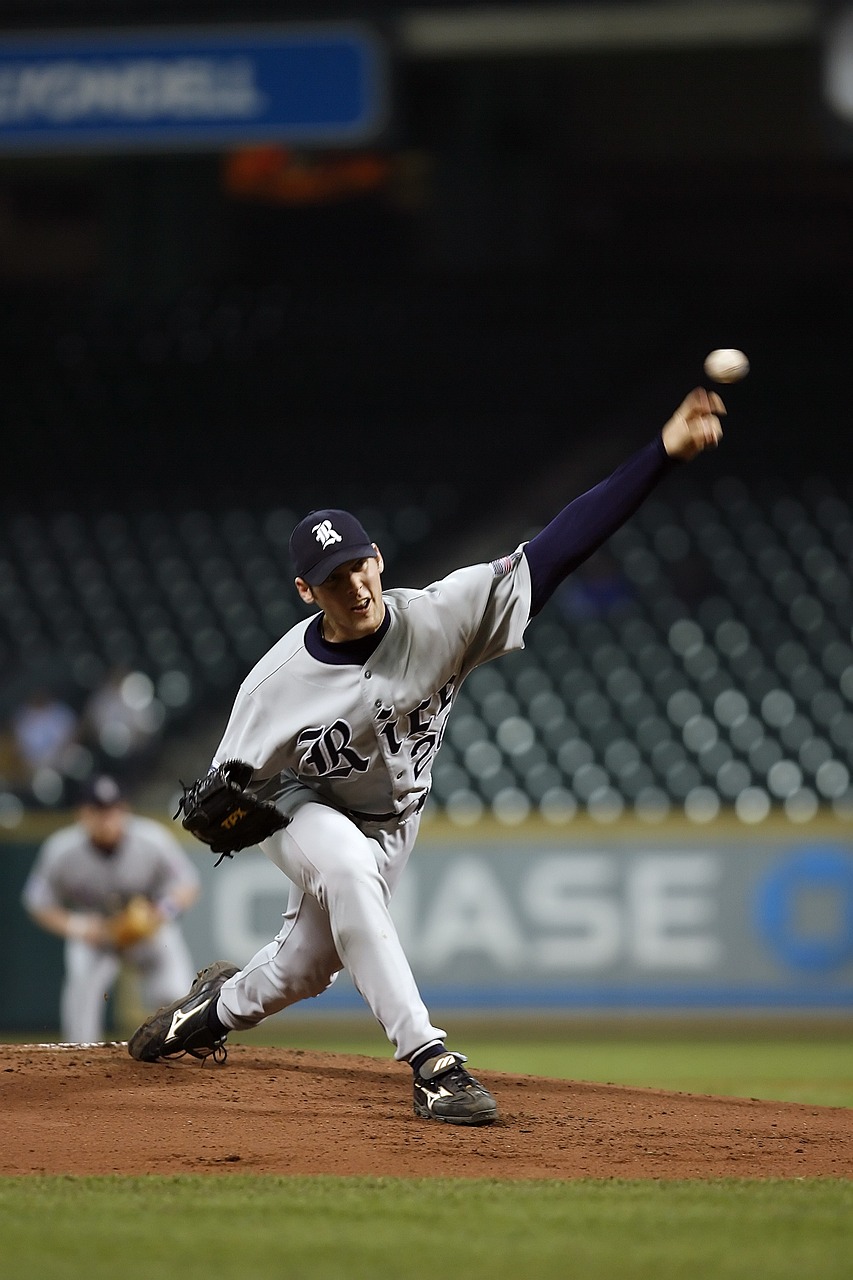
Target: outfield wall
{"points": [[583, 919]]}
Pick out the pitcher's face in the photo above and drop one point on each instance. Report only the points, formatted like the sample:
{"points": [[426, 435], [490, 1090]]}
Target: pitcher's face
{"points": [[350, 598]]}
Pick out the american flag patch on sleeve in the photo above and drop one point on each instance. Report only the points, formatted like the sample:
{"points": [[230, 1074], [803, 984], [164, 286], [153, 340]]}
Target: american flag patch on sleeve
{"points": [[500, 568]]}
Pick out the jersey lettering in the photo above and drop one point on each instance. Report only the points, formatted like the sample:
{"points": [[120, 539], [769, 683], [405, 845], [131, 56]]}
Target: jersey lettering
{"points": [[417, 723], [445, 695], [388, 729], [423, 751], [328, 753], [421, 729]]}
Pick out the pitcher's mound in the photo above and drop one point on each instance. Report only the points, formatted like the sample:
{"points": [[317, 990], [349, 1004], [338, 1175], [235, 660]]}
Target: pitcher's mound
{"points": [[93, 1110]]}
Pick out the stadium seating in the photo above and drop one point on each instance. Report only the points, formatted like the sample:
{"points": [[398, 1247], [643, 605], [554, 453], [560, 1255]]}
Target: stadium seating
{"points": [[701, 663]]}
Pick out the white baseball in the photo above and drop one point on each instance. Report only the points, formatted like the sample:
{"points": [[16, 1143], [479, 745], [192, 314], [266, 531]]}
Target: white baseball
{"points": [[726, 365]]}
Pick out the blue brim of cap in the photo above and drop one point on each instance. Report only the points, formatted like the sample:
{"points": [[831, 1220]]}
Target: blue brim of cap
{"points": [[331, 562]]}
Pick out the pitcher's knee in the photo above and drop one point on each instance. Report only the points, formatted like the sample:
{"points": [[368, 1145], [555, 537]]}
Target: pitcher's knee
{"points": [[301, 974], [360, 883]]}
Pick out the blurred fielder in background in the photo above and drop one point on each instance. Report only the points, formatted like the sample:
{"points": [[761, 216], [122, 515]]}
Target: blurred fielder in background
{"points": [[113, 886]]}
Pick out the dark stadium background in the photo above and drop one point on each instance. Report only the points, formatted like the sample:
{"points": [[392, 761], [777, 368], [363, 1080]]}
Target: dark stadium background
{"points": [[552, 244], [452, 328]]}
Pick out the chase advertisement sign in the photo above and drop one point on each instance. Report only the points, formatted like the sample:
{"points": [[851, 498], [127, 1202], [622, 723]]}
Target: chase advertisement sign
{"points": [[593, 924], [164, 88]]}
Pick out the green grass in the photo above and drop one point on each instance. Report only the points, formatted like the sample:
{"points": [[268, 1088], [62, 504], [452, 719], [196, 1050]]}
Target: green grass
{"points": [[235, 1225], [790, 1071], [381, 1229], [810, 1065], [794, 1062]]}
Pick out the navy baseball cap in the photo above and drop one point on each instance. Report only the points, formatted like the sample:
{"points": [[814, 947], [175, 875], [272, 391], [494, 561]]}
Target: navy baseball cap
{"points": [[102, 792], [325, 539]]}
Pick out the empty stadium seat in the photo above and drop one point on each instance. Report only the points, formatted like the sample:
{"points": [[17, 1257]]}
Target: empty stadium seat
{"points": [[709, 666]]}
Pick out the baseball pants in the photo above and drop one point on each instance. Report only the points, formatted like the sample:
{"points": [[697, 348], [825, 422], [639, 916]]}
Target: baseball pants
{"points": [[337, 918], [163, 963]]}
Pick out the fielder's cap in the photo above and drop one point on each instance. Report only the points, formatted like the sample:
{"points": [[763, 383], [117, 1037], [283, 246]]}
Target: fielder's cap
{"points": [[325, 539], [102, 792]]}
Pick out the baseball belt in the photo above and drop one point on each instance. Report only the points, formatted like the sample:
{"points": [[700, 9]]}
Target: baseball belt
{"points": [[413, 808]]}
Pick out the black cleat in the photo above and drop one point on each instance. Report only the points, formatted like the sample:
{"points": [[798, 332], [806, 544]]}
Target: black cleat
{"points": [[444, 1090], [181, 1027]]}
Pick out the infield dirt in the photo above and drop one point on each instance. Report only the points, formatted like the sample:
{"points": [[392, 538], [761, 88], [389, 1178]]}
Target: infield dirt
{"points": [[93, 1110]]}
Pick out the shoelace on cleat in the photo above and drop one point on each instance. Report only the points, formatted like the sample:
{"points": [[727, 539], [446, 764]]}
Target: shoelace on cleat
{"points": [[219, 1054], [457, 1076]]}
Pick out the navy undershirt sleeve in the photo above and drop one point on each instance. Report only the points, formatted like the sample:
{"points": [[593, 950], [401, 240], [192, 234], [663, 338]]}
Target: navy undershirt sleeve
{"points": [[588, 521]]}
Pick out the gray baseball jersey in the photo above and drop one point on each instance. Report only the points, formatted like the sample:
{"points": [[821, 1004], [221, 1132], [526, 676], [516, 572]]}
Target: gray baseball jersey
{"points": [[70, 872], [364, 737]]}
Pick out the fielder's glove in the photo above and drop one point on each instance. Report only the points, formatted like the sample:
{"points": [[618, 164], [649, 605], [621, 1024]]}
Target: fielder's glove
{"points": [[140, 919], [221, 814]]}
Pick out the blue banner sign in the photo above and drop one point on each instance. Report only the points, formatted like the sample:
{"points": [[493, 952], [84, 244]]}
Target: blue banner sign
{"points": [[169, 89], [591, 923]]}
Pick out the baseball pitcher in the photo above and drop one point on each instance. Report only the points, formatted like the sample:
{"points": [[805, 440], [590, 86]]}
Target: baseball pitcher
{"points": [[327, 756]]}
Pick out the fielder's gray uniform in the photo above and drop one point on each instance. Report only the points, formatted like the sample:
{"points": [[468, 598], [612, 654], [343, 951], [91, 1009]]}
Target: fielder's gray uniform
{"points": [[70, 872], [346, 750]]}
